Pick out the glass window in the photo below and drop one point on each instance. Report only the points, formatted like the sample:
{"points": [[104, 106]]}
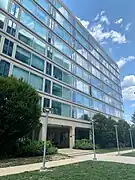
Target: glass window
{"points": [[40, 30], [56, 107], [8, 47], [42, 16], [57, 73], [66, 93], [4, 5], [61, 60], [2, 19], [66, 110], [48, 68], [14, 10], [30, 6], [44, 4], [25, 36], [46, 102], [4, 68], [20, 73], [57, 90], [47, 86], [36, 81], [67, 78], [27, 20], [11, 28], [49, 52], [37, 63], [23, 55], [39, 45]]}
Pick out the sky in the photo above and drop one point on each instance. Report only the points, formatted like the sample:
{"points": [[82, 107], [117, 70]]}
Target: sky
{"points": [[112, 24]]}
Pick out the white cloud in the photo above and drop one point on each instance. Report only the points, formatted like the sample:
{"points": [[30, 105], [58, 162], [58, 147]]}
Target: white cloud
{"points": [[119, 21], [104, 19], [102, 12], [129, 93], [100, 30], [127, 26], [84, 23], [97, 17], [128, 81], [123, 60]]}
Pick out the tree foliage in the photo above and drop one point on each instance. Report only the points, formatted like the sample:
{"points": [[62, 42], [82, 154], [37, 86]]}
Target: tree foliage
{"points": [[19, 111], [105, 135]]}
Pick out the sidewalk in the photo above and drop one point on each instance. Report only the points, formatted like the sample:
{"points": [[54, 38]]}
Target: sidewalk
{"points": [[109, 157]]}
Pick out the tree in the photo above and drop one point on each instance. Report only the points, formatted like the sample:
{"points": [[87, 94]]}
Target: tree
{"points": [[104, 131], [19, 111], [123, 133], [133, 118]]}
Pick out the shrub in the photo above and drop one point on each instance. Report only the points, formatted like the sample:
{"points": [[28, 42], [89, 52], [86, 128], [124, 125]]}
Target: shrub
{"points": [[83, 144], [29, 148]]}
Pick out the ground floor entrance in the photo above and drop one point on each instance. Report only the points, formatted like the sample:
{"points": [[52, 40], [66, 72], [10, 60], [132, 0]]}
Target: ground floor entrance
{"points": [[59, 136]]}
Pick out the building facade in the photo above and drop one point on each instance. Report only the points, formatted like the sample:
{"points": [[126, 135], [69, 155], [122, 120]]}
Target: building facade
{"points": [[42, 42]]}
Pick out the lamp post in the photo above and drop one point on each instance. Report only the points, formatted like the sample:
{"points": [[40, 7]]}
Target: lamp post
{"points": [[117, 139], [93, 138], [131, 140], [45, 110]]}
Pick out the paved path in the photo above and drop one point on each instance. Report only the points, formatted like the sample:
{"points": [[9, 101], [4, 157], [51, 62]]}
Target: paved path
{"points": [[110, 157]]}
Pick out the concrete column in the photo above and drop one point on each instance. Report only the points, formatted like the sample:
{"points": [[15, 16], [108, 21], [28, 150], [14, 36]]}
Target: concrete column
{"points": [[72, 137]]}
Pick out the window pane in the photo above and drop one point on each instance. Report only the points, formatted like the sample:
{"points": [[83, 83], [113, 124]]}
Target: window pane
{"points": [[2, 19], [57, 73], [8, 47], [67, 78], [11, 28], [27, 20], [66, 110], [57, 90], [4, 5], [28, 4], [56, 107], [15, 10], [43, 4], [39, 46], [66, 93], [46, 102], [37, 63], [20, 73], [23, 55], [4, 68], [48, 69], [25, 37], [47, 86], [42, 16], [40, 30], [36, 81]]}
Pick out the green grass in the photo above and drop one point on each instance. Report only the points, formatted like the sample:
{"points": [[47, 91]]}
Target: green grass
{"points": [[101, 151], [87, 171], [131, 154]]}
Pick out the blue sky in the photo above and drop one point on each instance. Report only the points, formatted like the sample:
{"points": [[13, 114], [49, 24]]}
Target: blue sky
{"points": [[112, 24]]}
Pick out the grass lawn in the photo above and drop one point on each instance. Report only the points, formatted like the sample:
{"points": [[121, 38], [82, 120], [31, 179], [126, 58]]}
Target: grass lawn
{"points": [[101, 151], [131, 154], [81, 171]]}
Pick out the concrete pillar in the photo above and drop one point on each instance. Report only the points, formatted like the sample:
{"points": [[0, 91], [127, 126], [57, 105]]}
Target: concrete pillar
{"points": [[72, 137]]}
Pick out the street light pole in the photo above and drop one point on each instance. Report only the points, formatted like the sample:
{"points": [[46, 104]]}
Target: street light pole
{"points": [[94, 146], [45, 110], [131, 140], [117, 139]]}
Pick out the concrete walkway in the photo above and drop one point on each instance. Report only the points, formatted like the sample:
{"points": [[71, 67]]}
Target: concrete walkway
{"points": [[109, 157]]}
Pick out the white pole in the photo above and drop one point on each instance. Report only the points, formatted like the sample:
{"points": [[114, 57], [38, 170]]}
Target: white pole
{"points": [[117, 139], [131, 140], [94, 147]]}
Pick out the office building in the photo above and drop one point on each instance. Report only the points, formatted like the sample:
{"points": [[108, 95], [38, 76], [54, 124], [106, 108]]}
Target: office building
{"points": [[43, 43]]}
